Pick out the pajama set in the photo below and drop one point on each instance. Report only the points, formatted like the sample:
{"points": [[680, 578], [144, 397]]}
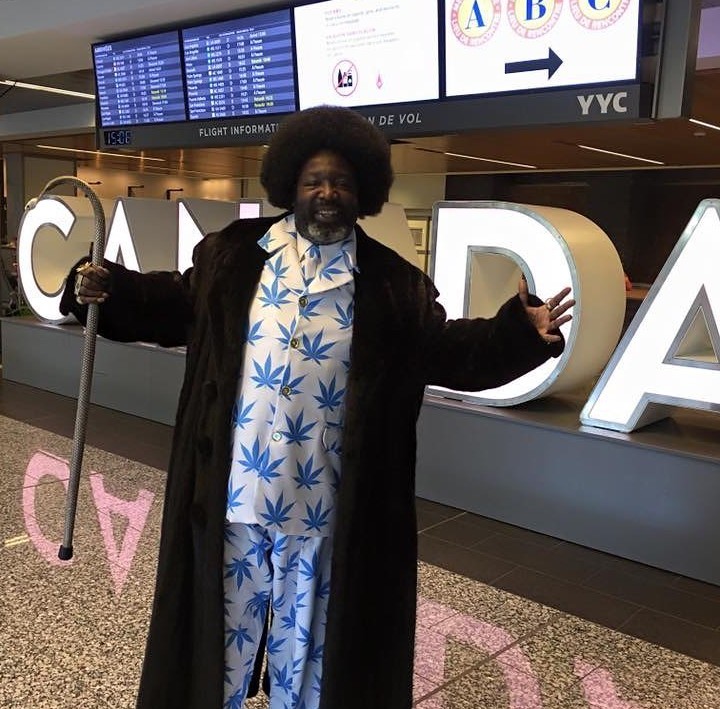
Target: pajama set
{"points": [[287, 434]]}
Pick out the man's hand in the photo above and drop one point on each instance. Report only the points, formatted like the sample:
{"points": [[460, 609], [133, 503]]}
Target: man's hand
{"points": [[549, 316], [92, 284]]}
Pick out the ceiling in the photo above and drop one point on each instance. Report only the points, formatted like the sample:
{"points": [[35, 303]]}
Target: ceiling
{"points": [[48, 44]]}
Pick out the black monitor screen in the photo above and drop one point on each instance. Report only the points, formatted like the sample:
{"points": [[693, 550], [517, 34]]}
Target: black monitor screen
{"points": [[140, 80], [241, 67]]}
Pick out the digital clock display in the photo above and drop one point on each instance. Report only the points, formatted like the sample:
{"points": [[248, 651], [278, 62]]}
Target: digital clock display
{"points": [[117, 137]]}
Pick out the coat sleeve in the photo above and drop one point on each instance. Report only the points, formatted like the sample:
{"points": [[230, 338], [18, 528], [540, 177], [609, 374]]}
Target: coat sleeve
{"points": [[482, 353], [149, 307]]}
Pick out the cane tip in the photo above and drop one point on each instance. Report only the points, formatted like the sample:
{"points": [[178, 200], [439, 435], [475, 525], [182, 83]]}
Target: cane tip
{"points": [[65, 553]]}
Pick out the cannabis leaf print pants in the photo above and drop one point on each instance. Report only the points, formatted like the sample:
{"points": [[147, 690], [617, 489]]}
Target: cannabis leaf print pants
{"points": [[290, 575]]}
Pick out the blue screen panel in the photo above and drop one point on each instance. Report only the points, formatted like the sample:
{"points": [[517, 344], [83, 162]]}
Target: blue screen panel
{"points": [[241, 67], [140, 80]]}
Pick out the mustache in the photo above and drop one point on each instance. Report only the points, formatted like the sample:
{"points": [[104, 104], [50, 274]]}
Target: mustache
{"points": [[327, 203]]}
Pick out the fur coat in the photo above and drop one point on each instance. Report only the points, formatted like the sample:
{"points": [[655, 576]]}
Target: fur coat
{"points": [[401, 342]]}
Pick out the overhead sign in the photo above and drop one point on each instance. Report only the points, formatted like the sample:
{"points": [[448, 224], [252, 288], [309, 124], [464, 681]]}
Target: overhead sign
{"points": [[621, 102], [241, 67], [364, 54], [413, 67], [519, 45], [140, 80]]}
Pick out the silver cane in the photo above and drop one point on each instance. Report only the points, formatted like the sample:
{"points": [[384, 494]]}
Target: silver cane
{"points": [[88, 359]]}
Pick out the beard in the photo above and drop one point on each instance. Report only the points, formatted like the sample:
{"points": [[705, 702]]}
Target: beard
{"points": [[325, 234], [324, 231]]}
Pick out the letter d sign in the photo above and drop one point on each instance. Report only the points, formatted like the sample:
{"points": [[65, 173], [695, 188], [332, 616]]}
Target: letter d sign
{"points": [[481, 249]]}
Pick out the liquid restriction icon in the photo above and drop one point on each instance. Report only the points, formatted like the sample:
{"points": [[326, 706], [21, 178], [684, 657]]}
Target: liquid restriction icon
{"points": [[345, 78]]}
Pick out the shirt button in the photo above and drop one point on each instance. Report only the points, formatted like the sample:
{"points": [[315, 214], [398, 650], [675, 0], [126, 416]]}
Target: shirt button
{"points": [[286, 391], [277, 436], [303, 301], [294, 343]]}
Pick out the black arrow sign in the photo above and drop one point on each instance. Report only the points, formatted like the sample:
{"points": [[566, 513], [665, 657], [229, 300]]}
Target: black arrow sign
{"points": [[552, 64]]}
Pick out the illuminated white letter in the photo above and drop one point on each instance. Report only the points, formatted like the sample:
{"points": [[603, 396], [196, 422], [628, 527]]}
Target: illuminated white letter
{"points": [[120, 247], [53, 212], [189, 235], [668, 356], [480, 251]]}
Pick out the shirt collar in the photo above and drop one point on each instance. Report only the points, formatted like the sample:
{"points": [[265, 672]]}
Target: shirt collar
{"points": [[283, 233], [279, 235]]}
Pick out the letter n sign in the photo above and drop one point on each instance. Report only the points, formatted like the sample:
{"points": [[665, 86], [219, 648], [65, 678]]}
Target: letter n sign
{"points": [[480, 249], [669, 354]]}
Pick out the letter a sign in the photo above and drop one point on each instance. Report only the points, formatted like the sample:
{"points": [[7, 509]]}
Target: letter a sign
{"points": [[669, 354]]}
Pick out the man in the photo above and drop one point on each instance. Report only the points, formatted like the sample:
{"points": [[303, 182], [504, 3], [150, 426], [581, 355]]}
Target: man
{"points": [[289, 513]]}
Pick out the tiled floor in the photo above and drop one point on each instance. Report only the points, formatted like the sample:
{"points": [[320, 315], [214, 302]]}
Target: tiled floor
{"points": [[507, 619]]}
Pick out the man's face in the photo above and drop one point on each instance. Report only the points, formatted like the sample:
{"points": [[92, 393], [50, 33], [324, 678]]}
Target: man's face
{"points": [[326, 205]]}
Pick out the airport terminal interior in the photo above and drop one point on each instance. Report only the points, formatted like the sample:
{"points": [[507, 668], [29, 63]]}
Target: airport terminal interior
{"points": [[543, 615]]}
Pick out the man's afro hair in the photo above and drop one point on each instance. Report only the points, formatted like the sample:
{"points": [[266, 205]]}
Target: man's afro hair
{"points": [[341, 130]]}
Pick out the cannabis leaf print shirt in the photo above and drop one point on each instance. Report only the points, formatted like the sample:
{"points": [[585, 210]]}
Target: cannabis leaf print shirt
{"points": [[288, 417]]}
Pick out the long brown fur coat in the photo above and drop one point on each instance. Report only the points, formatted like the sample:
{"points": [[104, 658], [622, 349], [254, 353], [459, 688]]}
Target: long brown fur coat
{"points": [[401, 342]]}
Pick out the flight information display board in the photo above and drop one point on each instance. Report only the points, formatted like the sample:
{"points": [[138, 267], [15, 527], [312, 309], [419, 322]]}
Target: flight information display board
{"points": [[140, 80], [365, 54], [411, 67], [241, 67]]}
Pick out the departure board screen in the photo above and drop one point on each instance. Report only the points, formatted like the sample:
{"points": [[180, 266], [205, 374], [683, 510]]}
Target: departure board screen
{"points": [[140, 80], [241, 67]]}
